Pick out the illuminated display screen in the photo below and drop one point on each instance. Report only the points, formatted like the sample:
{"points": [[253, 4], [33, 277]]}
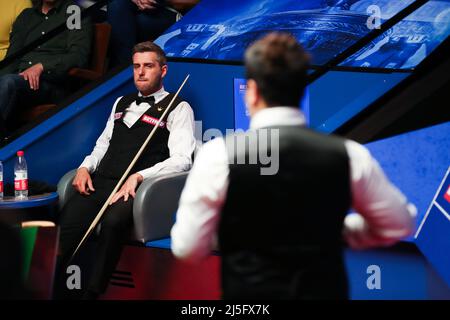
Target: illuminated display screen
{"points": [[409, 42], [222, 30]]}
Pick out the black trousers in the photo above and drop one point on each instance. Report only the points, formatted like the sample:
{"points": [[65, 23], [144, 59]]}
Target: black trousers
{"points": [[131, 25], [116, 224]]}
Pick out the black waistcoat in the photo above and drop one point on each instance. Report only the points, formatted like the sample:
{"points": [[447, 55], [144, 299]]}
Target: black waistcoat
{"points": [[125, 142], [280, 235]]}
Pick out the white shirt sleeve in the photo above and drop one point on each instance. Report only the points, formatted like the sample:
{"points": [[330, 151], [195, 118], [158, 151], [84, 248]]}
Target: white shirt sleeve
{"points": [[194, 233], [383, 214], [92, 161], [181, 144]]}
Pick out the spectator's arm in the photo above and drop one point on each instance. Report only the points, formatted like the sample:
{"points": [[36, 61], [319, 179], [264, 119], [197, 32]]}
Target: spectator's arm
{"points": [[16, 42], [78, 54]]}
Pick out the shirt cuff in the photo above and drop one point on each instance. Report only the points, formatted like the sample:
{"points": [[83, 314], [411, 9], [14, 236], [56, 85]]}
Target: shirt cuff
{"points": [[49, 66], [86, 164], [147, 173]]}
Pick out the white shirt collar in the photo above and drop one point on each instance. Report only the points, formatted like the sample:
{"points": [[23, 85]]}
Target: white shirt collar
{"points": [[159, 95], [274, 116]]}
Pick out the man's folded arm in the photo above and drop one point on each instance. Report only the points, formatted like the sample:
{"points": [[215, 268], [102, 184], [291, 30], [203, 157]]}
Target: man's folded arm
{"points": [[383, 215]]}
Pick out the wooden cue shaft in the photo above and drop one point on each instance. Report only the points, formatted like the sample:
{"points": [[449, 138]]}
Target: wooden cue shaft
{"points": [[136, 157]]}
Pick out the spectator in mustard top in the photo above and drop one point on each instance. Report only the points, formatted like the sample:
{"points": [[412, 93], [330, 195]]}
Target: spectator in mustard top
{"points": [[38, 76], [10, 10]]}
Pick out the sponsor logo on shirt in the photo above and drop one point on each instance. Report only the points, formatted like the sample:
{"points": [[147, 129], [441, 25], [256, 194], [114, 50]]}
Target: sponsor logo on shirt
{"points": [[152, 121], [118, 115], [447, 194]]}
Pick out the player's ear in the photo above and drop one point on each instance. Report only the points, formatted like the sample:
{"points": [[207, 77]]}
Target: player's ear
{"points": [[164, 70]]}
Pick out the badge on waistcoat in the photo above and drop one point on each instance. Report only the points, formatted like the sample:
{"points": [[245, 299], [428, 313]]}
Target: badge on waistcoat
{"points": [[153, 121]]}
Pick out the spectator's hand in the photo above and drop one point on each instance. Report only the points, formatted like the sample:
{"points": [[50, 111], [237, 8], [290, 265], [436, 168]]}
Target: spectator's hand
{"points": [[145, 4], [82, 179], [32, 75], [137, 3], [149, 4], [128, 188]]}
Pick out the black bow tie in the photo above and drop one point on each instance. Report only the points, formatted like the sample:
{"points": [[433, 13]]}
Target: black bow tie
{"points": [[150, 100]]}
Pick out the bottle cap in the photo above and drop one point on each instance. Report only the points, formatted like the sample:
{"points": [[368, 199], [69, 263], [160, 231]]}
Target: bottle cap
{"points": [[20, 153]]}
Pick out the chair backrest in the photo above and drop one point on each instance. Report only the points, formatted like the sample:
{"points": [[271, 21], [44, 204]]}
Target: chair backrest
{"points": [[65, 189], [101, 43]]}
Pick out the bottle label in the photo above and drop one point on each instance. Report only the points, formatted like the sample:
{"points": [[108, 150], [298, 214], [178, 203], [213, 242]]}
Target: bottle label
{"points": [[20, 181]]}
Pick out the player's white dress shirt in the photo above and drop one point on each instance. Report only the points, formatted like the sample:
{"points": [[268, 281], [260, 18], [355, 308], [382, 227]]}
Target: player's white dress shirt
{"points": [[383, 214], [181, 144]]}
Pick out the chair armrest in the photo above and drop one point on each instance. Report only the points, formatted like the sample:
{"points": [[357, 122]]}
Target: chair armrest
{"points": [[64, 188], [85, 74], [31, 114], [155, 206], [183, 6]]}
